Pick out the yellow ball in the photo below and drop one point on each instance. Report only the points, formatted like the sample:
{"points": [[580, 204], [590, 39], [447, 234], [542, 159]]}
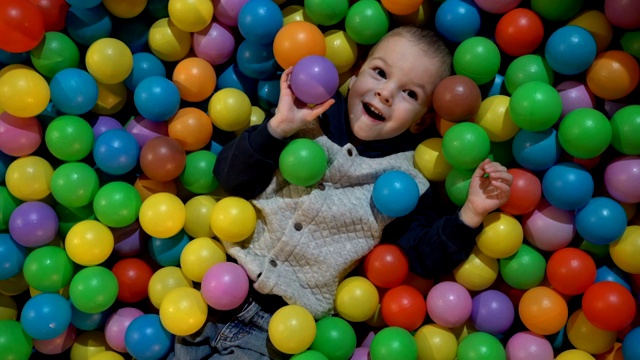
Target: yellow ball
{"points": [[342, 51], [501, 235], [23, 91], [191, 15], [436, 342], [233, 219], [109, 60], [625, 251], [125, 9], [478, 272], [162, 215], [295, 13], [183, 311], [257, 116], [574, 354], [111, 98], [493, 116], [597, 24], [357, 299], [89, 242], [586, 337], [8, 308], [29, 178], [430, 161], [163, 281], [199, 255], [107, 355], [167, 41], [13, 285], [198, 211], [230, 109], [89, 344], [292, 329]]}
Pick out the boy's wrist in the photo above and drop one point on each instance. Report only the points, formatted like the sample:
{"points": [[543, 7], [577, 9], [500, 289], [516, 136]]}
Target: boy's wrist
{"points": [[469, 217], [275, 130]]}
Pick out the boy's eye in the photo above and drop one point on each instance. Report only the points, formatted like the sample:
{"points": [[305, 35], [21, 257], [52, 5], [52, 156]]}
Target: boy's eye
{"points": [[412, 94], [380, 73]]}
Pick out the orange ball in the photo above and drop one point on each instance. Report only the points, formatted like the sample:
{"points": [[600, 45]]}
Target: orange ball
{"points": [[195, 78], [401, 7], [162, 158], [386, 266], [613, 75], [191, 127], [147, 187], [543, 310], [297, 40]]}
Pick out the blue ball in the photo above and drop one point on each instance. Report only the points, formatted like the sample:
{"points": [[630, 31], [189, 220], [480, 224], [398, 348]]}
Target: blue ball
{"points": [[5, 161], [84, 3], [260, 20], [157, 98], [12, 256], [631, 344], [135, 34], [256, 60], [601, 221], [46, 316], [613, 273], [232, 77], [567, 186], [87, 322], [570, 50], [536, 151], [116, 152], [458, 20], [269, 92], [395, 193], [144, 65], [166, 251], [85, 26], [73, 91], [146, 338]]}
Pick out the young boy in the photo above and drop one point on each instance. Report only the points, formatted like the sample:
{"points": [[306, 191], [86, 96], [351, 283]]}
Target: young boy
{"points": [[308, 239]]}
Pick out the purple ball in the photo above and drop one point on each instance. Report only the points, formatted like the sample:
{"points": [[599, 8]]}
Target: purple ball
{"points": [[215, 43], [225, 286], [314, 79], [621, 177], [129, 240], [33, 224], [144, 129], [492, 312], [104, 123], [574, 95]]}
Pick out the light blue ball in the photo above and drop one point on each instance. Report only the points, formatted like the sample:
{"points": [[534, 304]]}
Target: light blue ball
{"points": [[232, 77], [145, 64], [567, 186], [157, 98], [12, 256], [570, 50], [116, 152], [46, 316], [256, 60], [73, 91], [260, 20], [631, 344], [601, 221], [536, 151], [166, 251], [86, 321], [395, 193], [86, 25], [458, 20], [146, 338]]}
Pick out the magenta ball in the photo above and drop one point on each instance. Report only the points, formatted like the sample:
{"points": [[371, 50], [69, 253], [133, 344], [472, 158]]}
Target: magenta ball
{"points": [[624, 14], [33, 224], [574, 95], [526, 345], [549, 228], [492, 312], [227, 11], [314, 79], [58, 344], [225, 286], [144, 130], [449, 304], [622, 179], [19, 136], [215, 43], [116, 327], [497, 6]]}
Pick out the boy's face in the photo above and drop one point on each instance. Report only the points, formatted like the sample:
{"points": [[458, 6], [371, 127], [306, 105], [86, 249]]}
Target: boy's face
{"points": [[392, 90]]}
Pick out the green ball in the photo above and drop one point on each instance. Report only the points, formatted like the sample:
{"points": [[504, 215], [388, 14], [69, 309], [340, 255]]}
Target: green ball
{"points": [[630, 42], [197, 175], [477, 58], [335, 338], [309, 355], [625, 126], [585, 133], [74, 184], [457, 185], [524, 269], [69, 138], [481, 346], [93, 289], [535, 106], [68, 216], [502, 152], [527, 68], [556, 10], [8, 203], [303, 162], [366, 22], [48, 268], [465, 145], [326, 12], [117, 204], [393, 343], [55, 52], [15, 343]]}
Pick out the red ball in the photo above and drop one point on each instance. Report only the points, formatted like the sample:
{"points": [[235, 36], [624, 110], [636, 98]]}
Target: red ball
{"points": [[133, 277], [526, 191], [571, 271], [386, 266], [609, 305], [54, 13], [519, 32], [457, 98], [21, 26], [403, 306]]}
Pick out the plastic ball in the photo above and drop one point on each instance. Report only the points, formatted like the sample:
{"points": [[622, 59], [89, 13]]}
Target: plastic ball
{"points": [[303, 151], [326, 13], [14, 341], [45, 316], [233, 219], [199, 255], [501, 235], [22, 26], [69, 137], [162, 158], [89, 242], [111, 98], [549, 228], [395, 193], [624, 123], [543, 311], [497, 7], [393, 343], [93, 289], [74, 184], [48, 269], [571, 271], [190, 15], [519, 31], [525, 345], [157, 98], [195, 79], [230, 109], [609, 305], [259, 21], [574, 95], [19, 136], [630, 347], [214, 43], [570, 50], [335, 338], [478, 272], [87, 25], [162, 215], [535, 106], [597, 24], [609, 216], [144, 130], [167, 251], [526, 191], [465, 145], [146, 337], [12, 257], [54, 53], [191, 128], [183, 311], [527, 68], [624, 250], [583, 335], [33, 224], [525, 269], [553, 11], [613, 75], [403, 306], [23, 91], [457, 98], [457, 20], [480, 345], [567, 186], [386, 266], [622, 14], [292, 329], [58, 344], [116, 152], [477, 58], [147, 187], [366, 22], [430, 161], [314, 79], [117, 204], [116, 327], [585, 133], [435, 342], [449, 304], [536, 150], [109, 60], [164, 280], [402, 7], [167, 41], [356, 299], [197, 175], [226, 11], [297, 40], [256, 60], [198, 210], [144, 65], [341, 50], [28, 178], [133, 277], [225, 286]]}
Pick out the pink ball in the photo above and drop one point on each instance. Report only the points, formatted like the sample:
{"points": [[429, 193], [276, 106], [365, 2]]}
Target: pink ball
{"points": [[227, 11], [622, 179], [623, 13], [574, 95], [116, 326], [215, 43], [549, 228], [58, 344], [19, 136], [361, 353], [144, 129], [449, 304], [225, 286], [497, 6], [526, 345]]}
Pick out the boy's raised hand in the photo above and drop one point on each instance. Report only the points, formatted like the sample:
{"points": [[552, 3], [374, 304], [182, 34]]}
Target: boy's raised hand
{"points": [[292, 114], [490, 188]]}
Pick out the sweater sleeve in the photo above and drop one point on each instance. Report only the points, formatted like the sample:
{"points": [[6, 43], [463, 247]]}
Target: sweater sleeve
{"points": [[245, 166], [435, 240]]}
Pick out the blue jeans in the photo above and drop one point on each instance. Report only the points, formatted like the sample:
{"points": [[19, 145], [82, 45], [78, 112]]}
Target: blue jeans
{"points": [[244, 337]]}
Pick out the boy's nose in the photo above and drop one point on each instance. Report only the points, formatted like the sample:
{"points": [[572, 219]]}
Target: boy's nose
{"points": [[384, 96]]}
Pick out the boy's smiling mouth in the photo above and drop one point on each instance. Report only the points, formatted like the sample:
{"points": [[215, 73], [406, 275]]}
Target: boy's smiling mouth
{"points": [[372, 112]]}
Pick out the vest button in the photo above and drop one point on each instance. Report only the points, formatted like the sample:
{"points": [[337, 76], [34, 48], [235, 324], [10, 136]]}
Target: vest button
{"points": [[297, 226], [321, 186], [273, 263]]}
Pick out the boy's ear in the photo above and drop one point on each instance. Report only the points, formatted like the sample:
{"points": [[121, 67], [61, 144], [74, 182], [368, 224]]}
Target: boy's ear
{"points": [[352, 79], [422, 123]]}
